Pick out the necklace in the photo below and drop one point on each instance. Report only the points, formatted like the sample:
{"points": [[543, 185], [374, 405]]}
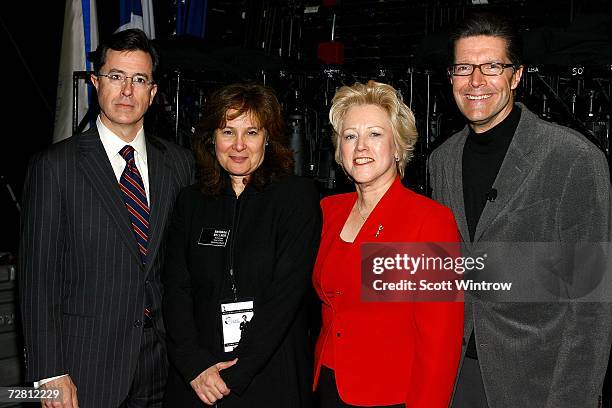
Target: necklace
{"points": [[359, 212]]}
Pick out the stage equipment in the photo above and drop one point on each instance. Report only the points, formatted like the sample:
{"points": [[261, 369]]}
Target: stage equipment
{"points": [[573, 96], [11, 343]]}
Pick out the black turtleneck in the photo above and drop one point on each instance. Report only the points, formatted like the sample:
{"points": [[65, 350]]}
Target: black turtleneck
{"points": [[483, 154]]}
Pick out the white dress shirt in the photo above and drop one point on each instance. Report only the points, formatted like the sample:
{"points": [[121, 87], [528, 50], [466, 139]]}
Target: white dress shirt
{"points": [[112, 145]]}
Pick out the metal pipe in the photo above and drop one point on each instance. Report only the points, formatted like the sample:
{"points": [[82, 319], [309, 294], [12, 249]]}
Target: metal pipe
{"points": [[176, 106], [411, 73], [290, 35], [333, 27], [427, 111], [427, 120], [75, 102]]}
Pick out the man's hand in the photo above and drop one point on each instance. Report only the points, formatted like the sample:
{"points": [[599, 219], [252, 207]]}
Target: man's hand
{"points": [[68, 393], [209, 386]]}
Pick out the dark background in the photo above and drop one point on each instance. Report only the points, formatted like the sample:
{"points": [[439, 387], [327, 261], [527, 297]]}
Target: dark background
{"points": [[381, 38], [568, 49]]}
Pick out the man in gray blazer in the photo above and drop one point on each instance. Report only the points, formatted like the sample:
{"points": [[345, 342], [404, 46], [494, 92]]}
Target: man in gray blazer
{"points": [[95, 212], [511, 177]]}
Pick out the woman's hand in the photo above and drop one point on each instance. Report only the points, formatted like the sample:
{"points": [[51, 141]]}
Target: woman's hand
{"points": [[209, 386]]}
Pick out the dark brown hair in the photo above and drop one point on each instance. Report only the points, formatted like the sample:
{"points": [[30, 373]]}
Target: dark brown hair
{"points": [[131, 39], [252, 99], [491, 25]]}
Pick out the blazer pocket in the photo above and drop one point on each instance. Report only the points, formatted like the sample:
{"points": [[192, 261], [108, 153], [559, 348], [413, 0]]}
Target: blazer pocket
{"points": [[530, 209], [532, 221], [78, 325]]}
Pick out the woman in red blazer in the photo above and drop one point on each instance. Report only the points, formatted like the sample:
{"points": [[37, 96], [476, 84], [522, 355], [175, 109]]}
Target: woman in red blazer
{"points": [[384, 354]]}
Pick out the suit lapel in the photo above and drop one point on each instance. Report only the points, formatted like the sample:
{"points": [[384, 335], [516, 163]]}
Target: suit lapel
{"points": [[514, 169], [98, 171], [455, 186], [159, 180]]}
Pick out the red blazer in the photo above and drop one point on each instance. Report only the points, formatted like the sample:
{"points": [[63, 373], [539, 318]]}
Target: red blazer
{"points": [[386, 353]]}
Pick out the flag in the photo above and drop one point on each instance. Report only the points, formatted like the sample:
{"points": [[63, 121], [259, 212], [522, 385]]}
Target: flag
{"points": [[191, 17], [137, 14], [79, 37]]}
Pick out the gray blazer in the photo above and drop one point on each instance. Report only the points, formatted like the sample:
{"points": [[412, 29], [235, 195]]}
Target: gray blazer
{"points": [[82, 284], [553, 186]]}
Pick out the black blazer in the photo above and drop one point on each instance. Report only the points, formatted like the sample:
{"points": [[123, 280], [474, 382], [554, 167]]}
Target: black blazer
{"points": [[82, 285], [275, 234]]}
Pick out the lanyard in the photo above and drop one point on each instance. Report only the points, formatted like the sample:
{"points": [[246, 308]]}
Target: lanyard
{"points": [[235, 222]]}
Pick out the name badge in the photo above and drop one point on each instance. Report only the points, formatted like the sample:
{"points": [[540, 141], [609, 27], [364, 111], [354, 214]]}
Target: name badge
{"points": [[213, 237], [235, 319]]}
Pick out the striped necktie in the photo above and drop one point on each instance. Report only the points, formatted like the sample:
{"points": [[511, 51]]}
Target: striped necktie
{"points": [[135, 198]]}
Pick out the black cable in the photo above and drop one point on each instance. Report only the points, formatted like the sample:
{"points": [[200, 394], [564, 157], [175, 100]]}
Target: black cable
{"points": [[11, 193]]}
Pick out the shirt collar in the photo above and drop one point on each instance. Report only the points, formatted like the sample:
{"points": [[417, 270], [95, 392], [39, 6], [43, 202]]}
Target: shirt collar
{"points": [[507, 125], [497, 138], [113, 143]]}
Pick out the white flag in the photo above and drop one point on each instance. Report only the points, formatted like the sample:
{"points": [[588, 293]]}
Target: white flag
{"points": [[137, 14], [79, 37]]}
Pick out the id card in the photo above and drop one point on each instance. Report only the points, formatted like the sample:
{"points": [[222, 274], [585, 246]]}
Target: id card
{"points": [[235, 318], [213, 237]]}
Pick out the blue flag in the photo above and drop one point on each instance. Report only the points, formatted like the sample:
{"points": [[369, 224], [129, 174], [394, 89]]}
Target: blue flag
{"points": [[191, 17], [137, 14]]}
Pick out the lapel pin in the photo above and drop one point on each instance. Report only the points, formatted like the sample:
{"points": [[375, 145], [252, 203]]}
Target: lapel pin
{"points": [[380, 228]]}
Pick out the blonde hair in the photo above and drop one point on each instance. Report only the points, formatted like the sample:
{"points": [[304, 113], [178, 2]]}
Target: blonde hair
{"points": [[382, 95]]}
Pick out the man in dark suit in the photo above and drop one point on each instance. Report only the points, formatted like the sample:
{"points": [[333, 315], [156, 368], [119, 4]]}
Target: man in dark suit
{"points": [[95, 208], [511, 177]]}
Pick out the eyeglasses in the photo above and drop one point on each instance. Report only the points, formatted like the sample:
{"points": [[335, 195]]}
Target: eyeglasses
{"points": [[118, 79], [488, 68]]}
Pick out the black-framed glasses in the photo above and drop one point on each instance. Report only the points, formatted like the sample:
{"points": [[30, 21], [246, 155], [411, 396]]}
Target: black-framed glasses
{"points": [[118, 79], [488, 68]]}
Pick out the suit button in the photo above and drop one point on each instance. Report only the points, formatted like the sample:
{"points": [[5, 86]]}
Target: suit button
{"points": [[147, 282], [338, 334], [138, 323]]}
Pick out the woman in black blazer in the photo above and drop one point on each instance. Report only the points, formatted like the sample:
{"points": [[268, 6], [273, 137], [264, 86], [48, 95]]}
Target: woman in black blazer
{"points": [[247, 232]]}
